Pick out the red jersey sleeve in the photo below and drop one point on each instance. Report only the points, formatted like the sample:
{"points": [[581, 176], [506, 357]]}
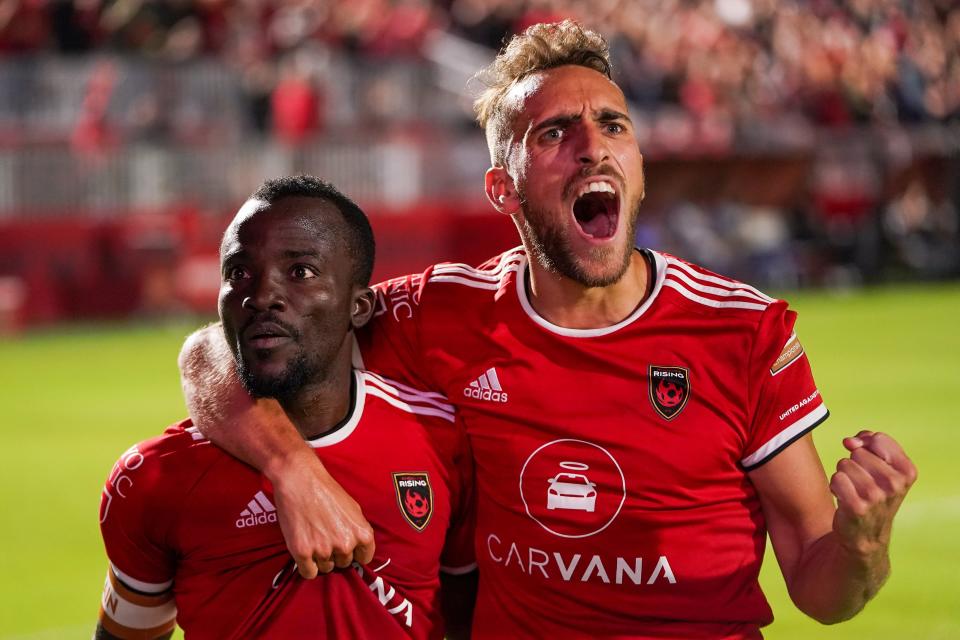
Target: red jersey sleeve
{"points": [[785, 399], [135, 514]]}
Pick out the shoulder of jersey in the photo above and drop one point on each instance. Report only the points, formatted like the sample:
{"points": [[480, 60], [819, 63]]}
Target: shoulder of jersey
{"points": [[180, 449], [180, 439], [707, 292], [415, 402], [489, 276]]}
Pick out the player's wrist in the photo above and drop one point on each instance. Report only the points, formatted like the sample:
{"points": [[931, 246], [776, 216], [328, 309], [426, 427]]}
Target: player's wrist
{"points": [[866, 552], [288, 466]]}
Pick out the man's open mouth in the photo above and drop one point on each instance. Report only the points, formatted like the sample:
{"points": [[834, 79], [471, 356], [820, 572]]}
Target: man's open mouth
{"points": [[597, 210]]}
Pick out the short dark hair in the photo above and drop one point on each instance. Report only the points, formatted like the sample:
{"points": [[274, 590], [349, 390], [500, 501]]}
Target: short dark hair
{"points": [[360, 244]]}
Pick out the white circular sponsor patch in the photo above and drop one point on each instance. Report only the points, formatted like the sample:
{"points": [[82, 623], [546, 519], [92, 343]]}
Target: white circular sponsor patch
{"points": [[572, 488]]}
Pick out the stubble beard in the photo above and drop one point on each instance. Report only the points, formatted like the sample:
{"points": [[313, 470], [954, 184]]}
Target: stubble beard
{"points": [[284, 386], [551, 249]]}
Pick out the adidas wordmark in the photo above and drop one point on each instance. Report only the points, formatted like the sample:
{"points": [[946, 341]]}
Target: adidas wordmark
{"points": [[259, 511], [486, 387]]}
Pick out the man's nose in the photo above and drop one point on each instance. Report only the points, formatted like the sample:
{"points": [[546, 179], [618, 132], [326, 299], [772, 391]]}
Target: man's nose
{"points": [[267, 294], [593, 146]]}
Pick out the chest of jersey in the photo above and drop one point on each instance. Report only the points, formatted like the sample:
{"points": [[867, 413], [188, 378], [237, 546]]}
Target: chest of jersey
{"points": [[233, 557], [660, 413], [609, 465], [232, 517]]}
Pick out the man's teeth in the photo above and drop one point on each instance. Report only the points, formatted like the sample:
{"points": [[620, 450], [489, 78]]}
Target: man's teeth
{"points": [[596, 187]]}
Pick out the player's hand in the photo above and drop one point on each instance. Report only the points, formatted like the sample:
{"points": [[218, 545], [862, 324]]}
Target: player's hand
{"points": [[869, 486], [322, 525]]}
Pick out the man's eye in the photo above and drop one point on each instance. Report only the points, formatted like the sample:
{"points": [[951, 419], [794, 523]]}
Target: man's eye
{"points": [[615, 127], [302, 272], [553, 134], [236, 273]]}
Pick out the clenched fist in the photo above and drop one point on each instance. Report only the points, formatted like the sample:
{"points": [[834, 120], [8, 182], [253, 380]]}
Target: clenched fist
{"points": [[869, 486], [323, 527]]}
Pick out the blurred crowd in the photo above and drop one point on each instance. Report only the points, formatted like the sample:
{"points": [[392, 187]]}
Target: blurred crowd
{"points": [[914, 236], [238, 31], [789, 142], [726, 64], [831, 61]]}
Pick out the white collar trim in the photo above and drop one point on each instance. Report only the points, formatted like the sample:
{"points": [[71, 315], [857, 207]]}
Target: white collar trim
{"points": [[356, 412], [523, 266]]}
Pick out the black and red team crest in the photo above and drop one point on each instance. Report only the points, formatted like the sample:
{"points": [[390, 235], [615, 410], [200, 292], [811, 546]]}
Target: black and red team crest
{"points": [[669, 389], [415, 497]]}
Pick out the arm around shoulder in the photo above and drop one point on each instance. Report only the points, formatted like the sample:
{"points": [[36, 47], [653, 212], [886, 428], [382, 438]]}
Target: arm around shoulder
{"points": [[322, 525], [255, 431]]}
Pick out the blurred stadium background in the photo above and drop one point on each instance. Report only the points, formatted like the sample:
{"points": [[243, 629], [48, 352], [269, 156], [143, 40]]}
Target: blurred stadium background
{"points": [[811, 147]]}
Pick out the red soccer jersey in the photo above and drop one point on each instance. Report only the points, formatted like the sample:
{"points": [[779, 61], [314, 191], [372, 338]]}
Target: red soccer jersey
{"points": [[192, 532], [613, 498]]}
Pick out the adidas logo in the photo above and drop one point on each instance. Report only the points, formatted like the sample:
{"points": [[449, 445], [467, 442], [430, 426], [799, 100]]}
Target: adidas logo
{"points": [[259, 511], [486, 387]]}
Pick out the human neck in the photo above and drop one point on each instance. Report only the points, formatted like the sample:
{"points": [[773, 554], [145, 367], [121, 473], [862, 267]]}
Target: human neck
{"points": [[569, 304], [322, 404]]}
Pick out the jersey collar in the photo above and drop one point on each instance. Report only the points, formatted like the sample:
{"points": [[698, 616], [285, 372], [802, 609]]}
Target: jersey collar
{"points": [[346, 427], [660, 268]]}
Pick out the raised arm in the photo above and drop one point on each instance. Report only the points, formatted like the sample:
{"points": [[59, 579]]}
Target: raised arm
{"points": [[322, 525], [834, 559]]}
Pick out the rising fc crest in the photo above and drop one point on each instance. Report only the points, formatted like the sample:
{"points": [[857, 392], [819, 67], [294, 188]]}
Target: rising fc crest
{"points": [[415, 497], [669, 389]]}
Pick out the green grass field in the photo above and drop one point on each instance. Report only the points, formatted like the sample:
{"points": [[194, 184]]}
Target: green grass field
{"points": [[73, 399]]}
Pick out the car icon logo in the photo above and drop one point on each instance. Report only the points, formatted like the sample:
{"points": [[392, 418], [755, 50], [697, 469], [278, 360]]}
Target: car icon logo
{"points": [[572, 491]]}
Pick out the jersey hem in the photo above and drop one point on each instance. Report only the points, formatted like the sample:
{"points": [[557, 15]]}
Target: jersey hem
{"points": [[140, 586], [459, 571]]}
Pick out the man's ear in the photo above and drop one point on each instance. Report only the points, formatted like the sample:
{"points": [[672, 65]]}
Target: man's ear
{"points": [[363, 303], [501, 191]]}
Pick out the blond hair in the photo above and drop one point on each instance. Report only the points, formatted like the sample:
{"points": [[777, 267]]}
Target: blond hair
{"points": [[540, 47]]}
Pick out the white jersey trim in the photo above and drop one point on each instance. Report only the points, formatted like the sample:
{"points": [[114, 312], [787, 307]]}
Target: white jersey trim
{"points": [[150, 588], [195, 433], [404, 392], [344, 432], [522, 266], [135, 616], [493, 275], [716, 304], [785, 437], [492, 279], [724, 282], [410, 408], [716, 291], [465, 269], [476, 284]]}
